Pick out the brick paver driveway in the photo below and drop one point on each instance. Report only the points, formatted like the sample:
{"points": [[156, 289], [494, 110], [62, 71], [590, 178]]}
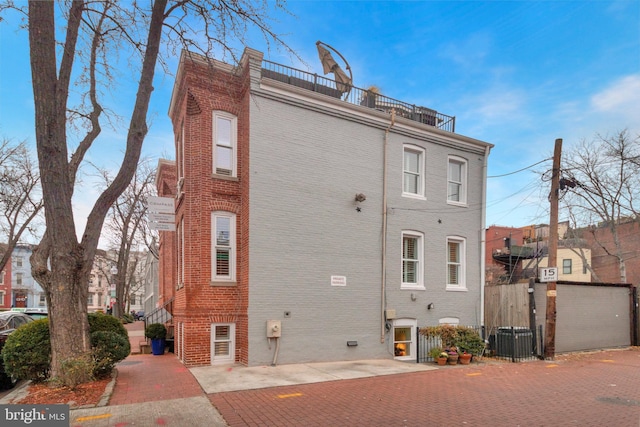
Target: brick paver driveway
{"points": [[594, 389]]}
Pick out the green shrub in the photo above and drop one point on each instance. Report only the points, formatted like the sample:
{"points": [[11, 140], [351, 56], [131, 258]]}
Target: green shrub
{"points": [[155, 331], [127, 318], [27, 352], [108, 348], [77, 370], [105, 322]]}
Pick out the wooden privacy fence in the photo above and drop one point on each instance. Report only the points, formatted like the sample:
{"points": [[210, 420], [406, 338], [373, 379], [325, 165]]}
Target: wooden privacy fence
{"points": [[506, 305]]}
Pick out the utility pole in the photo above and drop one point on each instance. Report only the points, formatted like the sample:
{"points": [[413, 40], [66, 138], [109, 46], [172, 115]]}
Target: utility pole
{"points": [[550, 324]]}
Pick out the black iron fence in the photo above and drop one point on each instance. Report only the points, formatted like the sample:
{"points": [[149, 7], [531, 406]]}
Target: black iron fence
{"points": [[355, 95], [508, 343]]}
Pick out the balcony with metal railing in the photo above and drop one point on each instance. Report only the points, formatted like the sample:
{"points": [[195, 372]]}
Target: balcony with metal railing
{"points": [[355, 95]]}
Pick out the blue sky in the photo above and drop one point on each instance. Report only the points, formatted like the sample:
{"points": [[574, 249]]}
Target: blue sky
{"points": [[517, 74]]}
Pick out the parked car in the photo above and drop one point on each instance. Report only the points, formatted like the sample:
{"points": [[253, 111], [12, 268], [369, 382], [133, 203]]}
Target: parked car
{"points": [[37, 313], [9, 322]]}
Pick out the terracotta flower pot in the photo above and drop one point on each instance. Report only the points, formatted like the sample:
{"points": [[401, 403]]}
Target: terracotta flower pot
{"points": [[441, 361], [464, 358], [452, 359]]}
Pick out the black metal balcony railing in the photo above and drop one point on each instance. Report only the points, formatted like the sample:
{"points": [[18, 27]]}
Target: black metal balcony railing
{"points": [[357, 96]]}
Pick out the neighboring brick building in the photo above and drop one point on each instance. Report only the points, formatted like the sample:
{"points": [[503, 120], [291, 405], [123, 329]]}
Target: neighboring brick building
{"points": [[605, 264], [5, 282], [344, 224]]}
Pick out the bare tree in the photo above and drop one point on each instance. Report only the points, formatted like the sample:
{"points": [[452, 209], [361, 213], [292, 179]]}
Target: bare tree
{"points": [[20, 198], [126, 226], [92, 35], [602, 179]]}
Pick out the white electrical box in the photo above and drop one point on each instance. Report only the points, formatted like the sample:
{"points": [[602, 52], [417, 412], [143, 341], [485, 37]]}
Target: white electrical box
{"points": [[390, 314], [274, 329]]}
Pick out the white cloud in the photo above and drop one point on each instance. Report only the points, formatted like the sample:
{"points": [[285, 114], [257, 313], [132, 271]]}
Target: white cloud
{"points": [[622, 96]]}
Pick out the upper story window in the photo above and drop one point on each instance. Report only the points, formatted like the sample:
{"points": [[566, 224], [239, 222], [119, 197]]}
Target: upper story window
{"points": [[456, 263], [18, 279], [566, 266], [19, 261], [412, 260], [413, 172], [223, 230], [457, 181], [180, 238], [180, 150], [225, 143]]}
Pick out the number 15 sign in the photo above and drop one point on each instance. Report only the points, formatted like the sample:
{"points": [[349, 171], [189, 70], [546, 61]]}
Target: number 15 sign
{"points": [[549, 274]]}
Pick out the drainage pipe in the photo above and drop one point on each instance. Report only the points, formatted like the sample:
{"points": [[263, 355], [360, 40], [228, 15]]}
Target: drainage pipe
{"points": [[275, 354], [383, 290]]}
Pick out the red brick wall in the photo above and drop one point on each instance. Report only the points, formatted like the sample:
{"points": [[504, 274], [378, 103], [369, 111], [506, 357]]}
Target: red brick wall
{"points": [[201, 91], [607, 266], [495, 236]]}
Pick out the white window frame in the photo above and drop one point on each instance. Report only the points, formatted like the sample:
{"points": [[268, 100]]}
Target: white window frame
{"points": [[419, 284], [19, 261], [231, 277], [19, 279], [420, 194], [2, 294], [462, 248], [234, 142], [463, 183], [180, 243], [405, 323], [567, 264], [227, 358]]}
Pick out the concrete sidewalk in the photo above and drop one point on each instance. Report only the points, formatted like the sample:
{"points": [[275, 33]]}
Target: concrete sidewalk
{"points": [[219, 379]]}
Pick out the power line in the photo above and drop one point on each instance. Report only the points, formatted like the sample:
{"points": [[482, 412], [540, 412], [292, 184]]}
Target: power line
{"points": [[520, 170]]}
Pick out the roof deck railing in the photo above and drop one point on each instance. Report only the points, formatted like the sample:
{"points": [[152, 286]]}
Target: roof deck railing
{"points": [[357, 96]]}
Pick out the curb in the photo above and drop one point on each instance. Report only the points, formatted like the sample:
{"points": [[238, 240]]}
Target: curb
{"points": [[108, 391]]}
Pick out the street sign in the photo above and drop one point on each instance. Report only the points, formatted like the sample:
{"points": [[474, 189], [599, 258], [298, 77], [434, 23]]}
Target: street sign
{"points": [[548, 274], [161, 205]]}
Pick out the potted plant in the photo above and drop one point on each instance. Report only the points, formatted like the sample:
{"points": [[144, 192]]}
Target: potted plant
{"points": [[438, 355], [452, 355], [157, 333]]}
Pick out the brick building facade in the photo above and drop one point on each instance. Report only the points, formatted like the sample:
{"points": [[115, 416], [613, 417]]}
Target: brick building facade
{"points": [[344, 225]]}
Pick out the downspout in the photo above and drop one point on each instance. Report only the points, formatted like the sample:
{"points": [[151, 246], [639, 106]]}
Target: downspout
{"points": [[483, 232], [383, 290]]}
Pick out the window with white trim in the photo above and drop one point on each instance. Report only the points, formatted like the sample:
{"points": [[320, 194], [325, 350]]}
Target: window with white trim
{"points": [[180, 160], [180, 242], [412, 260], [404, 343], [456, 263], [2, 293], [566, 266], [223, 234], [413, 171], [225, 132], [19, 261], [223, 343], [457, 180], [19, 279]]}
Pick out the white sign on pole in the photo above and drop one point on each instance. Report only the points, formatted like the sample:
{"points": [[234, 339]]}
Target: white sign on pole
{"points": [[162, 226], [161, 205], [161, 217], [548, 274]]}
